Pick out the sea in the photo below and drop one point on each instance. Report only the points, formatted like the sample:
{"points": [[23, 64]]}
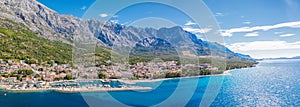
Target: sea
{"points": [[270, 83]]}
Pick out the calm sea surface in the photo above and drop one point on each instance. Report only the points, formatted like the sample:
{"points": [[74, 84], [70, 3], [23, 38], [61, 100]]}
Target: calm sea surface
{"points": [[271, 83]]}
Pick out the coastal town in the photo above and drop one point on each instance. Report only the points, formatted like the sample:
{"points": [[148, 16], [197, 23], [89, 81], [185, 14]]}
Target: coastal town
{"points": [[26, 75]]}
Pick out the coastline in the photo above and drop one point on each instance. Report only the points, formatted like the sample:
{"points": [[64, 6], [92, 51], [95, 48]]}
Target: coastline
{"points": [[225, 73], [97, 89], [75, 90]]}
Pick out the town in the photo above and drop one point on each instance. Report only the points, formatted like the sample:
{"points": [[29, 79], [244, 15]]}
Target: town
{"points": [[29, 75]]}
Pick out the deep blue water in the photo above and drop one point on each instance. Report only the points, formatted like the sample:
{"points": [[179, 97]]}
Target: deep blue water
{"points": [[271, 83]]}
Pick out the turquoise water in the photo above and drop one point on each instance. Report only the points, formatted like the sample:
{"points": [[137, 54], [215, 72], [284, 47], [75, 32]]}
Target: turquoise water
{"points": [[271, 83]]}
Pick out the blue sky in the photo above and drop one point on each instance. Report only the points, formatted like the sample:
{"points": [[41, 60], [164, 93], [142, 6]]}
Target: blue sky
{"points": [[260, 28]]}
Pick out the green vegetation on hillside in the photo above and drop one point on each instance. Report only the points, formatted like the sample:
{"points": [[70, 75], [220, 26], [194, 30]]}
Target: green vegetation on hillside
{"points": [[18, 42]]}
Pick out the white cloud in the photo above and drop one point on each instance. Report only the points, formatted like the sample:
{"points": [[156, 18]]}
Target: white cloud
{"points": [[224, 33], [103, 15], [114, 21], [115, 16], [263, 45], [252, 34], [219, 14], [296, 26], [83, 8], [247, 23], [193, 28], [286, 35], [267, 49], [189, 23], [196, 30], [277, 33], [229, 32]]}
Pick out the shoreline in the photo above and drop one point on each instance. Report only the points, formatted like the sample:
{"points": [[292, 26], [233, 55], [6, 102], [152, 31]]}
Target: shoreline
{"points": [[77, 90], [97, 89], [225, 73]]}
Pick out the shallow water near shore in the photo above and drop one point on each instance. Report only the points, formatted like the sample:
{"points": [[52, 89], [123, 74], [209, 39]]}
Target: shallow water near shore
{"points": [[271, 83]]}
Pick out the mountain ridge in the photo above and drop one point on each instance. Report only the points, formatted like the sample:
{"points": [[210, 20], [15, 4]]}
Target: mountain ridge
{"points": [[64, 28]]}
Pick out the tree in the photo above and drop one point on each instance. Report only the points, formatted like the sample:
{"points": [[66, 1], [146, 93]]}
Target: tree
{"points": [[27, 61], [172, 74], [19, 77], [115, 77], [102, 76], [85, 76], [25, 72], [56, 79], [40, 69], [36, 76], [68, 77]]}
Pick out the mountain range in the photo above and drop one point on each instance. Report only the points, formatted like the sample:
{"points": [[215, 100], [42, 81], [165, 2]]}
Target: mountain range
{"points": [[48, 24], [295, 57]]}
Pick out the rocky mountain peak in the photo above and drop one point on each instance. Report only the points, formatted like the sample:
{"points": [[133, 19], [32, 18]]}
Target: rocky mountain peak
{"points": [[42, 20], [51, 25]]}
